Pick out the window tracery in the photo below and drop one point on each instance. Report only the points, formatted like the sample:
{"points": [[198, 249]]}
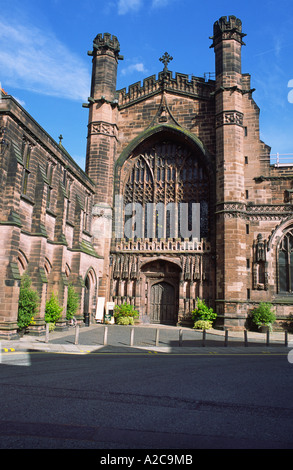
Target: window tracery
{"points": [[169, 173], [285, 262]]}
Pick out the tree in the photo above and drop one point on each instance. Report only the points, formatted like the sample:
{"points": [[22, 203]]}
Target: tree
{"points": [[53, 310], [72, 302]]}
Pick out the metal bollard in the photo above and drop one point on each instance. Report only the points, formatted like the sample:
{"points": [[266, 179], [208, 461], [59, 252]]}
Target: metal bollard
{"points": [[105, 336], [47, 333], [157, 337], [286, 338], [76, 334], [131, 336], [245, 339], [204, 333], [226, 338], [268, 338], [180, 338]]}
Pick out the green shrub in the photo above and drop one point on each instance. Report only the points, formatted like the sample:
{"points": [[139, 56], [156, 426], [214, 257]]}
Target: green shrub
{"points": [[203, 325], [203, 312], [125, 321], [53, 310], [72, 302], [124, 313], [28, 303], [263, 315]]}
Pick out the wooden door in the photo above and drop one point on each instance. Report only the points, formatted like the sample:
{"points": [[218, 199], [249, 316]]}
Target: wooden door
{"points": [[162, 308]]}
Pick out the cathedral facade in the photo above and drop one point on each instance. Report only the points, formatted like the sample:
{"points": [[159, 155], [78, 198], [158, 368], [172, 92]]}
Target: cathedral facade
{"points": [[178, 200]]}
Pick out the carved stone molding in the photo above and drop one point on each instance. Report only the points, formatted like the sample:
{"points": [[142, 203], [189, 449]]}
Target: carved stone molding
{"points": [[104, 128], [229, 118]]}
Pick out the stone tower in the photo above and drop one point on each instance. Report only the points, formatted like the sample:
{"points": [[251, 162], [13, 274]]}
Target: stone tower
{"points": [[230, 135], [102, 140]]}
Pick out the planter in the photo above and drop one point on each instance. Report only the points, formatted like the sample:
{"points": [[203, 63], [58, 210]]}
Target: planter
{"points": [[264, 328]]}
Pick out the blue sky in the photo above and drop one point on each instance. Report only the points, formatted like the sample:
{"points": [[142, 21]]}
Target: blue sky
{"points": [[44, 62]]}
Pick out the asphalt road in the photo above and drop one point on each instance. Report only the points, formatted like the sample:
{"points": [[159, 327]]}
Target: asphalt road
{"points": [[145, 400]]}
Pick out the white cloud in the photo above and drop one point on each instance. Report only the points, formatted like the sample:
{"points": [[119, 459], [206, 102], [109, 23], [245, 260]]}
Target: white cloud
{"points": [[125, 6], [37, 61], [139, 67]]}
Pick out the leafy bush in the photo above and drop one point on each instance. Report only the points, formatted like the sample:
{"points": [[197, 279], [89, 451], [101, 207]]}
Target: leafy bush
{"points": [[125, 314], [125, 321], [203, 325], [28, 303], [53, 310], [263, 315], [72, 302], [203, 312]]}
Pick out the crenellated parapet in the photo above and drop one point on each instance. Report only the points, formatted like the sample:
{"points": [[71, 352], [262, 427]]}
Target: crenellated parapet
{"points": [[105, 42], [181, 84], [227, 28]]}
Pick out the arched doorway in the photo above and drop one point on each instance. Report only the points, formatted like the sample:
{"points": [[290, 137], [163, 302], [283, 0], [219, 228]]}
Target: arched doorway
{"points": [[161, 280], [164, 225], [162, 304], [89, 299]]}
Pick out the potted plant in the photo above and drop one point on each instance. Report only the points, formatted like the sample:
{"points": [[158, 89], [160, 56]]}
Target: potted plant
{"points": [[125, 314], [263, 316], [203, 316]]}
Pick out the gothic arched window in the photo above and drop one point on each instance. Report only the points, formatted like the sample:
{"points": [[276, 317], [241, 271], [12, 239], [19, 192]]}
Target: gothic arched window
{"points": [[168, 175], [285, 261]]}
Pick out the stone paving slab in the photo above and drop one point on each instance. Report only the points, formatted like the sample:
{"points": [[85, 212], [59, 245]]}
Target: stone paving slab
{"points": [[171, 340]]}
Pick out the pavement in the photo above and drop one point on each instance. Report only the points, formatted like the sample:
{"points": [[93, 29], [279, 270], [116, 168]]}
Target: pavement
{"points": [[150, 339]]}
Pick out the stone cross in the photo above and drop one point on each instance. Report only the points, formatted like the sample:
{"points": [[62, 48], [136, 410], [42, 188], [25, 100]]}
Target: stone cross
{"points": [[166, 58]]}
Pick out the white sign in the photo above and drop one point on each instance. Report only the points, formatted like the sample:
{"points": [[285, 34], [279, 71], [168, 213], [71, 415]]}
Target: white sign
{"points": [[100, 309]]}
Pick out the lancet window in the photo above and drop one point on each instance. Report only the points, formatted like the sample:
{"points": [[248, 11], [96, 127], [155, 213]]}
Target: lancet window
{"points": [[285, 259]]}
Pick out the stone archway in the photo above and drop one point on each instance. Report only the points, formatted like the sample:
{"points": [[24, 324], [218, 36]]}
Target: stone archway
{"points": [[161, 280]]}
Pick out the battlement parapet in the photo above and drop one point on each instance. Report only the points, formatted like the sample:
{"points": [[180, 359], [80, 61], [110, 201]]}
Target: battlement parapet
{"points": [[181, 84], [227, 28], [106, 41]]}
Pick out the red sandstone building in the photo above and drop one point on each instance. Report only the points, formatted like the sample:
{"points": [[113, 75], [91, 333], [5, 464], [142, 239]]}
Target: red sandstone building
{"points": [[171, 140]]}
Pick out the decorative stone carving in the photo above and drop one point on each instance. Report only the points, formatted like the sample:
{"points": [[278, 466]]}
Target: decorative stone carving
{"points": [[229, 117]]}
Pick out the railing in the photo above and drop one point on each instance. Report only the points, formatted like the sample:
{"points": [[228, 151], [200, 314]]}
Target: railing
{"points": [[282, 159]]}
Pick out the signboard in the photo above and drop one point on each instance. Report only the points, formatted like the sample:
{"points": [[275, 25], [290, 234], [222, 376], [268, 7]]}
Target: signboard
{"points": [[100, 309], [109, 315]]}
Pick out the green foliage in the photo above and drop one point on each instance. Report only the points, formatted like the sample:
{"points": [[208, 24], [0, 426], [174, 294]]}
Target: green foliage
{"points": [[203, 325], [53, 310], [28, 303], [72, 302], [263, 315], [203, 312], [125, 314], [52, 327], [125, 321]]}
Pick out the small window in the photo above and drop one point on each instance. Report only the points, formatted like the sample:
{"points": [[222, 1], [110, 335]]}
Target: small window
{"points": [[26, 154], [49, 173]]}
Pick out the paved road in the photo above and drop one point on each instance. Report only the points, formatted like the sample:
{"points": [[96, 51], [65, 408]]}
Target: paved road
{"points": [[146, 400]]}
